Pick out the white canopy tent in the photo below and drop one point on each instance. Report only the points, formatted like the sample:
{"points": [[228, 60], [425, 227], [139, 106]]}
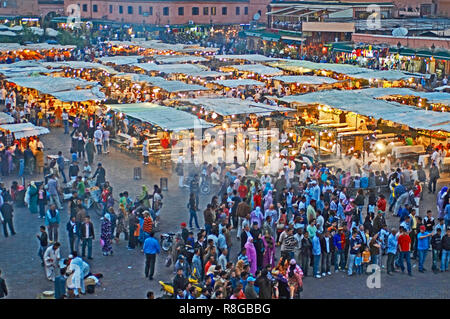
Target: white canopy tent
{"points": [[121, 60], [206, 74], [304, 79], [6, 118], [238, 83], [80, 65], [49, 84], [246, 57], [360, 103], [22, 130], [258, 69], [170, 59], [170, 68], [166, 85], [432, 97], [234, 106], [349, 70], [93, 94], [167, 118]]}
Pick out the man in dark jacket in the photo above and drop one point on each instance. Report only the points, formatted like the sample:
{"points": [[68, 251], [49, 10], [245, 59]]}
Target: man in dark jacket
{"points": [[243, 209], [6, 217], [265, 285], [3, 289], [434, 176], [305, 253], [436, 245], [90, 150], [378, 222], [87, 235], [180, 281], [72, 230], [100, 173], [327, 248]]}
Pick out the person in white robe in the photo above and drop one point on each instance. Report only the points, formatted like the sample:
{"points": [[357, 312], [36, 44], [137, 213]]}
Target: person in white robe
{"points": [[51, 261], [80, 270]]}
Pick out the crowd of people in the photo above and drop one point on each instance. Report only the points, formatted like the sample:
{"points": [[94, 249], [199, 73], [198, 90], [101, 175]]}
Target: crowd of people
{"points": [[318, 224]]}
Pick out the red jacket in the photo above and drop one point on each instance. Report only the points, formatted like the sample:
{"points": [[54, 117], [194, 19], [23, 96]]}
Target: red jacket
{"points": [[257, 200], [381, 204]]}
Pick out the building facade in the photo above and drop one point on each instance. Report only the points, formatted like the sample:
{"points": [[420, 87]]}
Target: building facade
{"points": [[173, 12], [35, 8]]}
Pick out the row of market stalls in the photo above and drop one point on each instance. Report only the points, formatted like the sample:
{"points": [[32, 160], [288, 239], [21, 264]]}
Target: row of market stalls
{"points": [[187, 86]]}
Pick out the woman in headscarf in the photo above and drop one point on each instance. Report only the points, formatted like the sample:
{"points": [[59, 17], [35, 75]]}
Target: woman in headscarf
{"points": [[267, 188], [269, 250], [122, 220], [268, 200], [257, 216], [251, 254], [294, 276], [252, 193], [106, 235], [441, 201], [346, 180], [33, 198], [144, 197], [239, 267], [349, 210]]}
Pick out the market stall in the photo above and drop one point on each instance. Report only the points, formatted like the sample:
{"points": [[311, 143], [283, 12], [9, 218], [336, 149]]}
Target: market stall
{"points": [[24, 130], [159, 124], [358, 112], [250, 70]]}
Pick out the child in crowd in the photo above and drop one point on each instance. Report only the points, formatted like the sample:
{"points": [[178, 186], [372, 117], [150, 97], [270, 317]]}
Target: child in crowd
{"points": [[365, 258], [358, 261]]}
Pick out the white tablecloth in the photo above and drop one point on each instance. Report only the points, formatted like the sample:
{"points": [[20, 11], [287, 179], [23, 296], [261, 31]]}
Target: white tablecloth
{"points": [[397, 150]]}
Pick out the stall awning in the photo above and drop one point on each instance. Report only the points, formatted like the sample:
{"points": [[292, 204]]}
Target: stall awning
{"points": [[246, 57], [167, 118], [166, 85], [171, 68], [49, 84], [234, 106], [432, 97], [22, 130], [80, 65], [121, 60], [258, 69], [6, 118], [170, 59], [360, 103], [305, 79], [343, 48], [240, 82], [93, 94]]}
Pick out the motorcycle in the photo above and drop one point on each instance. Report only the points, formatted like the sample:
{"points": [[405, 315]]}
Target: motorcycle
{"points": [[167, 241], [205, 187], [168, 290]]}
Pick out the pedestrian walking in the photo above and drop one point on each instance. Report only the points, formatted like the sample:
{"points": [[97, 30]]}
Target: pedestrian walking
{"points": [[87, 236], [43, 243], [52, 220], [151, 249], [192, 206], [106, 235], [6, 217], [3, 288]]}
